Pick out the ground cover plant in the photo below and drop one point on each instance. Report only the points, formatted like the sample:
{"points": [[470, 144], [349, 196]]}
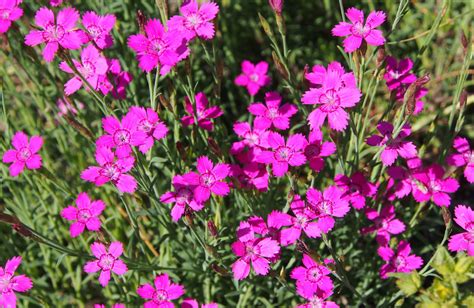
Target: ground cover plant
{"points": [[236, 153]]}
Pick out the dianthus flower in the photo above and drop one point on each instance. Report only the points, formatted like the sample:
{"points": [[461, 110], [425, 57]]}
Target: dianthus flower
{"points": [[85, 215], [283, 154], [256, 225], [162, 294], [202, 112], [252, 139], [149, 123], [464, 157], [327, 205], [464, 217], [192, 303], [56, 2], [398, 73], [251, 176], [158, 48], [182, 196], [272, 114], [319, 300], [253, 77], [107, 261], [394, 147], [311, 277], [195, 20], [92, 66], [61, 31], [111, 170], [430, 184], [356, 30], [385, 224], [9, 283], [9, 12], [116, 81], [399, 261], [356, 188], [401, 179], [23, 154], [316, 149], [98, 28]]}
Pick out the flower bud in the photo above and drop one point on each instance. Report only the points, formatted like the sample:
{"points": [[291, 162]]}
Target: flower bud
{"points": [[464, 42], [279, 66], [265, 26], [214, 147], [181, 150], [446, 216], [81, 129], [212, 228], [221, 271], [380, 56], [463, 98], [277, 5], [141, 21]]}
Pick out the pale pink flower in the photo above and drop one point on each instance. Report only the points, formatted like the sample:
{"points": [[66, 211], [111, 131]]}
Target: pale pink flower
{"points": [[398, 73], [203, 113], [196, 20], [149, 123], [162, 294], [316, 149], [107, 261], [430, 184], [98, 28], [192, 303], [311, 277], [399, 261], [464, 217], [57, 32], [25, 153], [9, 12], [356, 188], [85, 215], [253, 77], [272, 114], [9, 283], [182, 197], [385, 224], [356, 31], [464, 157]]}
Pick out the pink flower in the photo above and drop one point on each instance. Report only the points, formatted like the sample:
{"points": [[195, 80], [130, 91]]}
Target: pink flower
{"points": [[162, 294], [356, 31], [398, 73], [356, 188], [9, 12], [255, 253], [465, 156], [113, 306], [464, 217], [253, 76], [271, 114], [192, 303], [158, 48], [385, 224], [123, 135], [55, 2], [393, 147], [311, 277], [327, 205], [277, 5], [202, 112], [319, 300], [210, 179], [9, 283], [251, 176], [430, 184], [283, 153], [117, 80], [85, 215], [91, 67], [316, 149], [400, 261], [256, 225], [107, 261], [336, 90], [61, 31], [23, 154], [195, 20], [182, 196], [149, 123], [111, 170], [404, 177], [252, 139], [98, 28]]}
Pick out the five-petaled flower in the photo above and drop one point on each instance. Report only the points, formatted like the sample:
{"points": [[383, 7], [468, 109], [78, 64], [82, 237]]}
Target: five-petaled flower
{"points": [[149, 123], [253, 77], [98, 28], [25, 153], [430, 184], [162, 294], [9, 12], [463, 157], [196, 20], [9, 283], [464, 217], [384, 225], [272, 114], [107, 261], [85, 215], [356, 188], [399, 261], [311, 277], [203, 113]]}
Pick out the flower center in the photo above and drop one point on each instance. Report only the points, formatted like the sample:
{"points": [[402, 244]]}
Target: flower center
{"points": [[23, 154], [283, 154], [122, 136], [192, 21], [469, 157], [5, 14], [145, 126], [5, 283], [252, 138], [395, 74], [326, 207], [314, 274], [83, 215], [400, 262], [156, 46], [160, 296], [358, 29], [106, 262], [301, 221], [330, 101], [111, 171], [254, 77], [183, 195], [94, 31], [207, 179], [272, 113], [53, 33], [435, 186], [316, 302], [87, 69], [312, 150], [421, 186]]}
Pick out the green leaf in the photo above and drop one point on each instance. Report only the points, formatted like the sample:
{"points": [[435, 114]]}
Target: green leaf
{"points": [[443, 263], [409, 283]]}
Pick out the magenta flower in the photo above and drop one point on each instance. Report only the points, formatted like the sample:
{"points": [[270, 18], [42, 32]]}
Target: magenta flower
{"points": [[158, 48], [107, 261], [209, 180], [149, 123], [202, 112], [252, 139], [337, 90], [393, 147], [356, 31], [23, 154], [465, 156], [98, 28], [116, 81], [384, 225], [316, 149], [276, 5], [400, 261], [311, 277], [123, 135], [182, 196], [56, 2], [464, 217], [250, 176], [91, 67], [111, 170], [195, 20], [85, 215], [271, 114], [255, 253], [253, 77], [61, 31], [162, 294], [404, 177], [9, 12], [9, 283], [398, 73], [256, 225], [319, 300], [192, 303], [327, 205], [113, 306], [356, 188], [430, 184], [283, 153]]}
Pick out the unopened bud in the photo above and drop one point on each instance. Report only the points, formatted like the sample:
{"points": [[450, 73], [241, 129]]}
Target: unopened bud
{"points": [[464, 41], [215, 148], [218, 269], [265, 26], [84, 131], [410, 95], [363, 48], [212, 228], [463, 98], [305, 81], [163, 7], [165, 103], [277, 5], [446, 216], [380, 56], [181, 150], [279, 66], [141, 21]]}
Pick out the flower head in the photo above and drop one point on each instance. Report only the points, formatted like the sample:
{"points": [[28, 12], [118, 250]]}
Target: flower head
{"points": [[9, 283], [385, 224], [316, 149], [272, 114], [85, 215], [24, 153], [195, 20], [251, 176], [398, 73], [107, 261], [149, 123], [311, 277], [192, 303], [116, 81], [463, 157], [253, 77], [203, 114], [252, 139], [327, 205], [162, 293], [356, 188], [98, 28], [399, 261], [464, 217], [318, 300], [430, 184], [9, 12]]}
